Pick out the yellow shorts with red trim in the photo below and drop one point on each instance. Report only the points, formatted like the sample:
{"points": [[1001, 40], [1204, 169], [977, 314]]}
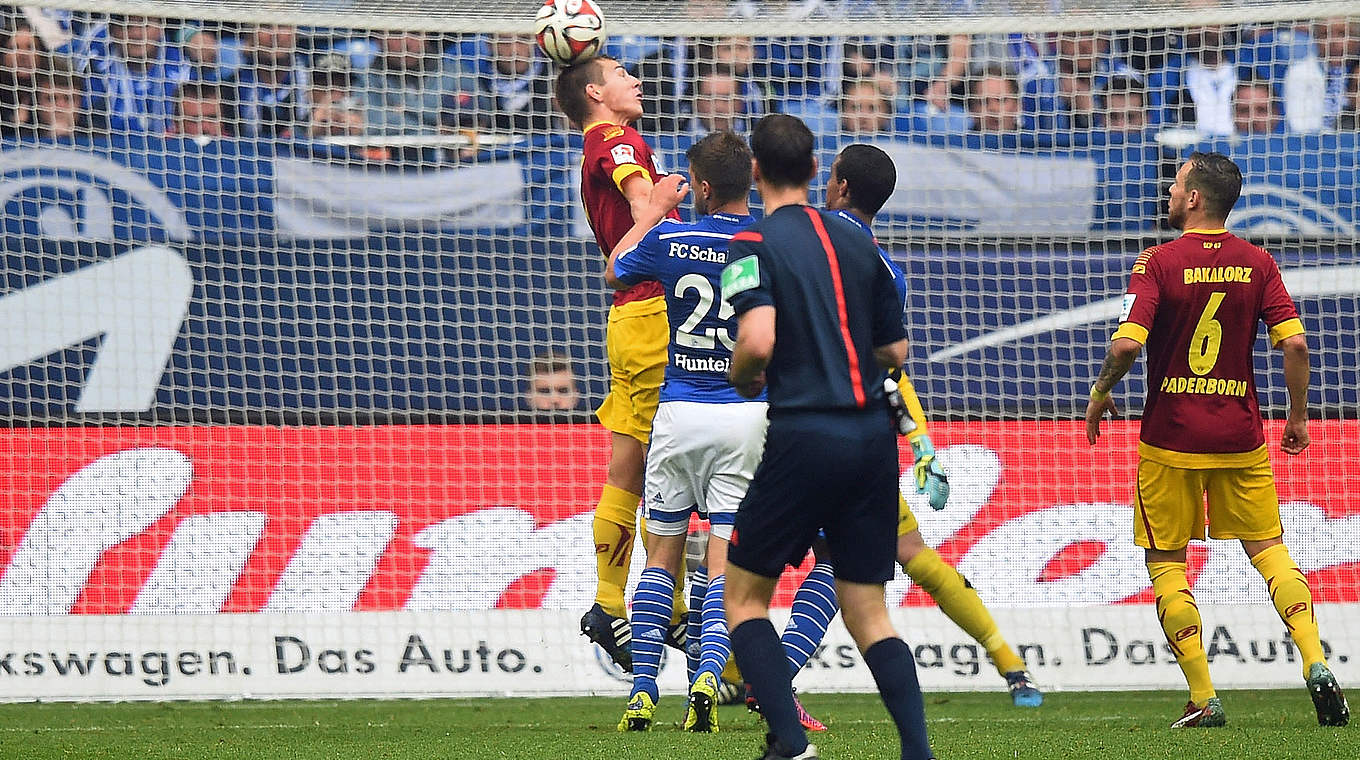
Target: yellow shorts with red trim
{"points": [[636, 341], [906, 521], [1170, 505]]}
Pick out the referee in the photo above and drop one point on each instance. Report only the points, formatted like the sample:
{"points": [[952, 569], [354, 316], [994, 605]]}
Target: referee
{"points": [[830, 460]]}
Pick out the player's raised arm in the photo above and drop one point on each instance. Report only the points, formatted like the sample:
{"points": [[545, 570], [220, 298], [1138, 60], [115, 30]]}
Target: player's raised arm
{"points": [[662, 199]]}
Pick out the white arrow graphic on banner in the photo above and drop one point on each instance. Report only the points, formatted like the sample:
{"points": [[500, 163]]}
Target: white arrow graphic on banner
{"points": [[137, 301], [1316, 281]]}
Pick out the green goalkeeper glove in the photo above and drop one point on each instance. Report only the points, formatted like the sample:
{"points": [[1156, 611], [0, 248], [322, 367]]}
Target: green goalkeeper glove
{"points": [[931, 479]]}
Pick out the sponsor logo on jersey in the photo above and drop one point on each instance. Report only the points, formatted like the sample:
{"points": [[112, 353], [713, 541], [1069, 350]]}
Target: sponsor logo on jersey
{"points": [[1124, 313], [623, 154]]}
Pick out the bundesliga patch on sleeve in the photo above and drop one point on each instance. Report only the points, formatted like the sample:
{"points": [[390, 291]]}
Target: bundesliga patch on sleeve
{"points": [[1124, 313], [740, 276], [623, 154]]}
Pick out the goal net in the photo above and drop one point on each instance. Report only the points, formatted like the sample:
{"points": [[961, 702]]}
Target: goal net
{"points": [[302, 325]]}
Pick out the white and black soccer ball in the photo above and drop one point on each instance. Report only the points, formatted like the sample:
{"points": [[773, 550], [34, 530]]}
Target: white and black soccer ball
{"points": [[569, 31]]}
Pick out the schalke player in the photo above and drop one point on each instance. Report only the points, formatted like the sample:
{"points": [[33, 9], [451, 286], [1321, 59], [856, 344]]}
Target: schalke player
{"points": [[706, 440], [1195, 303], [618, 170], [862, 179]]}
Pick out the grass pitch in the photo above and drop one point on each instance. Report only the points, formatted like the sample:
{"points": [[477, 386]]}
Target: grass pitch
{"points": [[1277, 725]]}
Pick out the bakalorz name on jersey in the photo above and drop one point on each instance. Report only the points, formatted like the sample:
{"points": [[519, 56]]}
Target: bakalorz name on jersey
{"points": [[692, 252], [703, 363]]}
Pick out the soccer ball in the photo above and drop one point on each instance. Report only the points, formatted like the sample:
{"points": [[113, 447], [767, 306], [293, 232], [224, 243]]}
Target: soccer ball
{"points": [[569, 31]]}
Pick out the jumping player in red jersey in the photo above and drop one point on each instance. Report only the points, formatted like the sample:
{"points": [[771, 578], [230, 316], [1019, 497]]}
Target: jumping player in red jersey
{"points": [[1195, 302], [600, 97]]}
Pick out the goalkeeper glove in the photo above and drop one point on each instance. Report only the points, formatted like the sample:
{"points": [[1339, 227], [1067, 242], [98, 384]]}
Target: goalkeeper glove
{"points": [[902, 420], [931, 479]]}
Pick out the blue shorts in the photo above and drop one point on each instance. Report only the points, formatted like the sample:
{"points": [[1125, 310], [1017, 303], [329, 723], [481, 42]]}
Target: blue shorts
{"points": [[830, 470]]}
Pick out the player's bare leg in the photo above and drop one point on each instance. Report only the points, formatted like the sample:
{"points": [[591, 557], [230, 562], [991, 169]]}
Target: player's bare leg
{"points": [[614, 528], [960, 602], [1293, 601]]}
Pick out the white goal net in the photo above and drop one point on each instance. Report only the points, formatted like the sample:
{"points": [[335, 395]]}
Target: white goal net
{"points": [[302, 324]]}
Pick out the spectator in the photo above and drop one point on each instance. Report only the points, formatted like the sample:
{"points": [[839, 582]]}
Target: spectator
{"points": [[1255, 109], [667, 73], [1338, 44], [719, 104], [867, 105], [133, 75], [199, 112], [1124, 107], [411, 83], [20, 52], [552, 383], [57, 113], [516, 84], [994, 101], [1081, 66], [214, 56], [1196, 87], [271, 89], [336, 111]]}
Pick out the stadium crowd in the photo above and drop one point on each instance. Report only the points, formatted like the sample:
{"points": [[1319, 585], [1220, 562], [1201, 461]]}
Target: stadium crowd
{"points": [[66, 74]]}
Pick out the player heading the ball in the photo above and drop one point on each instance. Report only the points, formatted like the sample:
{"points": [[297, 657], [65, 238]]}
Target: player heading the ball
{"points": [[618, 171]]}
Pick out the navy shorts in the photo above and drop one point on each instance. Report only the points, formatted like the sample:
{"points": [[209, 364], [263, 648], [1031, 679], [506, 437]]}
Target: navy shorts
{"points": [[833, 471]]}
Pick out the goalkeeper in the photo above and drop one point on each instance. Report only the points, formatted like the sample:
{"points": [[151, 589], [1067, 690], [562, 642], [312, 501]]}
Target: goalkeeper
{"points": [[862, 178]]}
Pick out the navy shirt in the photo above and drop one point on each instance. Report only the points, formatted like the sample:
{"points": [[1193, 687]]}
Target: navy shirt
{"points": [[687, 258], [899, 277], [835, 302]]}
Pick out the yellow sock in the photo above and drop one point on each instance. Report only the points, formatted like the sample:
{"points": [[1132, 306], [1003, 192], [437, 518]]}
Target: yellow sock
{"points": [[679, 604], [731, 673], [614, 528], [1179, 615], [1293, 600], [960, 602]]}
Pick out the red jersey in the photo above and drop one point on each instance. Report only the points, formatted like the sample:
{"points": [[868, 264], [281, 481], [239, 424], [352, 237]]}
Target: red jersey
{"points": [[1195, 303], [614, 153]]}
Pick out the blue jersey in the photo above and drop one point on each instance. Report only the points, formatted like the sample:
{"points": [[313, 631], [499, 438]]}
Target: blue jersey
{"points": [[899, 277], [688, 258]]}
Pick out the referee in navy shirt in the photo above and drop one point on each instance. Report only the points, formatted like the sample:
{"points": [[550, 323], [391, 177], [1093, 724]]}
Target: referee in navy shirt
{"points": [[818, 321]]}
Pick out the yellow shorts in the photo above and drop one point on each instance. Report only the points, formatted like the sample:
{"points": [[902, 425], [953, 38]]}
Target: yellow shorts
{"points": [[906, 521], [1170, 506], [636, 341]]}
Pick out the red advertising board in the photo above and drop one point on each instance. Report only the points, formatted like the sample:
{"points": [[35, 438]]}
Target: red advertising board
{"points": [[248, 519]]}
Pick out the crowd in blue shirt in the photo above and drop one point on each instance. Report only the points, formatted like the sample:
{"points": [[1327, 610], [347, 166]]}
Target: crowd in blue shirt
{"points": [[208, 80]]}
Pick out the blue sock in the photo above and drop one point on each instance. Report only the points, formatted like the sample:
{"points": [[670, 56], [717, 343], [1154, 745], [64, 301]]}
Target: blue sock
{"points": [[813, 608], [698, 589], [715, 644], [652, 601], [762, 663], [895, 673]]}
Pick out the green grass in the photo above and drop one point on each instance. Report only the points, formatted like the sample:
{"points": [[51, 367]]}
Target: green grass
{"points": [[1125, 726]]}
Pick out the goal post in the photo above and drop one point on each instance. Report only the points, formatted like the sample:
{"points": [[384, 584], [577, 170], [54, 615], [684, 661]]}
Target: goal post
{"points": [[302, 326]]}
